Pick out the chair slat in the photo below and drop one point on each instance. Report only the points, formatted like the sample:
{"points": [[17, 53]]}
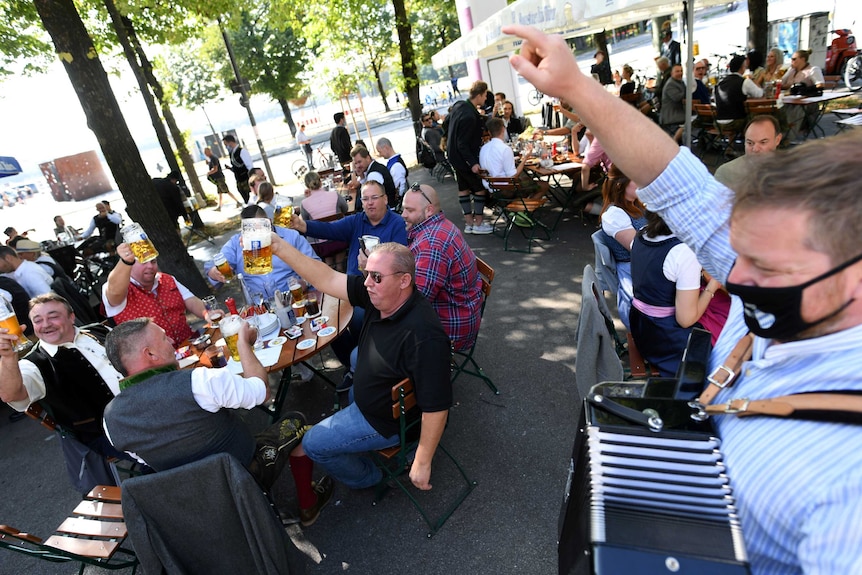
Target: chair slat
{"points": [[99, 509], [99, 548], [108, 493], [19, 534], [93, 527]]}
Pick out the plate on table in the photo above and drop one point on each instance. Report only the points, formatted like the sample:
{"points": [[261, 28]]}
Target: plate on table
{"points": [[277, 341], [306, 344], [265, 323], [326, 332]]}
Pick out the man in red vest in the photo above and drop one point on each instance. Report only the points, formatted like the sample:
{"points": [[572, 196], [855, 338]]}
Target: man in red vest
{"points": [[136, 290]]}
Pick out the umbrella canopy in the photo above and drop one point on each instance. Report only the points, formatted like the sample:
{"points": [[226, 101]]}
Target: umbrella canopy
{"points": [[9, 166]]}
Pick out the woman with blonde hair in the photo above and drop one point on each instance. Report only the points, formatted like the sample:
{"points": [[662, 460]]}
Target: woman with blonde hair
{"points": [[320, 203]]}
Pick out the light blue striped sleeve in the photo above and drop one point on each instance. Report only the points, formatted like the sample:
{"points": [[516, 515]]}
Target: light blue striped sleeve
{"points": [[697, 209]]}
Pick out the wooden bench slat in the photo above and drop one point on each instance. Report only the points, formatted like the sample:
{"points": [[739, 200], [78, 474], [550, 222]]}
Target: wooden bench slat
{"points": [[93, 527], [99, 509], [389, 452], [105, 493], [19, 534], [99, 548]]}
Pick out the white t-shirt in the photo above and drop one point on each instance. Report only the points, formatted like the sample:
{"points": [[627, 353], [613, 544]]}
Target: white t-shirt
{"points": [[680, 265], [498, 159]]}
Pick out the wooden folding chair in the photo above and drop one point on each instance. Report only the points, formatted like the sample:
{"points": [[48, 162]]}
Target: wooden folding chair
{"points": [[719, 136], [395, 461], [462, 360], [517, 210], [93, 535]]}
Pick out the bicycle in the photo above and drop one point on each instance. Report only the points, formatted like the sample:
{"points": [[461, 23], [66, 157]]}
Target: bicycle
{"points": [[405, 114], [300, 167], [534, 97]]}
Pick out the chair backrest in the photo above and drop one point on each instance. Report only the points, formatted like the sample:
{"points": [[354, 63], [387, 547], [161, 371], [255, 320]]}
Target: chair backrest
{"points": [[596, 358], [606, 265], [486, 273], [334, 217], [172, 526], [757, 106], [705, 112]]}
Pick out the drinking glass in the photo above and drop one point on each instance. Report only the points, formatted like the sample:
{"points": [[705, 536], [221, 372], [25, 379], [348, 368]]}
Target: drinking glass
{"points": [[223, 266], [140, 244], [230, 327], [283, 211], [9, 320], [256, 246], [214, 311]]}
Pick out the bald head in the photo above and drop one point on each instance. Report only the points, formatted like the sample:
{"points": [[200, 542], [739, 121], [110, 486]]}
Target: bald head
{"points": [[419, 204]]}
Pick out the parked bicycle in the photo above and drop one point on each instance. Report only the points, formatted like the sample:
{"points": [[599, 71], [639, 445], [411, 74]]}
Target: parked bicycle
{"points": [[534, 97], [320, 159]]}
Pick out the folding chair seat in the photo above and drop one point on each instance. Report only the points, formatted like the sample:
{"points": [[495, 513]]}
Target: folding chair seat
{"points": [[93, 535], [395, 461], [463, 360], [517, 210]]}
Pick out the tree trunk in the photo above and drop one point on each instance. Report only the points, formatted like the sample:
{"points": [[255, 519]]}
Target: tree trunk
{"points": [[167, 113], [408, 63], [90, 82], [288, 117], [376, 69], [758, 26], [121, 28]]}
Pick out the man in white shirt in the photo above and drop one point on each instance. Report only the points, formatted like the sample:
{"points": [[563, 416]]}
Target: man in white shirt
{"points": [[68, 372], [394, 163], [498, 159], [32, 277]]}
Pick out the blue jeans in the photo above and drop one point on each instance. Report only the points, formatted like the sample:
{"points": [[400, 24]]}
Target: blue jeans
{"points": [[339, 444]]}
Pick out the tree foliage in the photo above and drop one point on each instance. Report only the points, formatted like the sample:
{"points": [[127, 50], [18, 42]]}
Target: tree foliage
{"points": [[434, 25], [25, 47]]}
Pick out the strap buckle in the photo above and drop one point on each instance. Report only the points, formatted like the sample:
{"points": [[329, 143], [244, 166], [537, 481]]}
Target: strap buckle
{"points": [[721, 384], [730, 409]]}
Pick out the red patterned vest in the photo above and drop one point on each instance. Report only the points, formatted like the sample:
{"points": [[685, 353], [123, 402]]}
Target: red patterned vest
{"points": [[168, 309]]}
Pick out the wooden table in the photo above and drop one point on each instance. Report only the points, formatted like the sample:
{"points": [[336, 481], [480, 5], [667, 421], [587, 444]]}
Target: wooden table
{"points": [[820, 101], [339, 313]]}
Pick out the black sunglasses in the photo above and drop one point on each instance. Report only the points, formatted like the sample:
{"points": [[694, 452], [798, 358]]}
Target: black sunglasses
{"points": [[417, 188], [377, 277]]}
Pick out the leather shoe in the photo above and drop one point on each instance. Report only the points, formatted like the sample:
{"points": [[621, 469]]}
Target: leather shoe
{"points": [[324, 489]]}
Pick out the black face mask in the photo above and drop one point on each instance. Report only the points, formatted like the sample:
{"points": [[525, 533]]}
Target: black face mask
{"points": [[776, 312]]}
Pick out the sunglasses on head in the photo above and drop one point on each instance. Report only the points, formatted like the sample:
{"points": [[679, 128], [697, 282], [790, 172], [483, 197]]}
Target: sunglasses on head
{"points": [[415, 187]]}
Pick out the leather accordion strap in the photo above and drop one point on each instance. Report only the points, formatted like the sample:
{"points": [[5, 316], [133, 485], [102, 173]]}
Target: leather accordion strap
{"points": [[724, 375], [838, 407]]}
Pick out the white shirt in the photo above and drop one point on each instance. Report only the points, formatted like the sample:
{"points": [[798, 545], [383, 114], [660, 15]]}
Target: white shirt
{"points": [[92, 351], [497, 159], [33, 278], [615, 220], [113, 310], [680, 265]]}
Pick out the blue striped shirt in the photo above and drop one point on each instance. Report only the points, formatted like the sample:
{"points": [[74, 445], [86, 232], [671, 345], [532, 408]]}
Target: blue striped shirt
{"points": [[798, 483]]}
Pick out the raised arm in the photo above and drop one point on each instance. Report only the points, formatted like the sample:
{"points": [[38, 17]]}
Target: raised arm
{"points": [[117, 288], [315, 272], [547, 63]]}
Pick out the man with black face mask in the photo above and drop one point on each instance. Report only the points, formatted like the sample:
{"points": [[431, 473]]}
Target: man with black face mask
{"points": [[787, 247]]}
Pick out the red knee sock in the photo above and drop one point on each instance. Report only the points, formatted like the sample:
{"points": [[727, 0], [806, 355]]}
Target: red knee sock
{"points": [[302, 468]]}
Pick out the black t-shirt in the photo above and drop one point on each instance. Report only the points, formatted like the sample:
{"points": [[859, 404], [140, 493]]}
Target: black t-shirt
{"points": [[214, 162], [409, 343]]}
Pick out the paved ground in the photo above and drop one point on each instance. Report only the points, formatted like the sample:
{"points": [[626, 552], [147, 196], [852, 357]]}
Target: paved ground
{"points": [[516, 444]]}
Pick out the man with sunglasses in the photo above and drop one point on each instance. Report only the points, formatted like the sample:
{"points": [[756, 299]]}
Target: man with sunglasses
{"points": [[376, 219], [401, 337], [785, 242], [446, 272]]}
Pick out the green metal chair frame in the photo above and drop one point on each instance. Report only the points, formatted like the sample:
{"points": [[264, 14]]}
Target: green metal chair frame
{"points": [[510, 196], [114, 558], [395, 461], [462, 360]]}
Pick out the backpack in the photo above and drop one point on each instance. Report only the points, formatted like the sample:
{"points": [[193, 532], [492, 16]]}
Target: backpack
{"points": [[424, 153]]}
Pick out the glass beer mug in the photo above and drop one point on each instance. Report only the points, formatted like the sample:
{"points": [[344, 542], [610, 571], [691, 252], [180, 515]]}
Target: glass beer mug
{"points": [[140, 244], [257, 246]]}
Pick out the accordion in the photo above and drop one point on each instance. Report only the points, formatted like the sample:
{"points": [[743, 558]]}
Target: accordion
{"points": [[647, 502]]}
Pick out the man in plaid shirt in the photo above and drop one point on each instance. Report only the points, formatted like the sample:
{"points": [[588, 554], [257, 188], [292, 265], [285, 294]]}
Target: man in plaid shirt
{"points": [[446, 271]]}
